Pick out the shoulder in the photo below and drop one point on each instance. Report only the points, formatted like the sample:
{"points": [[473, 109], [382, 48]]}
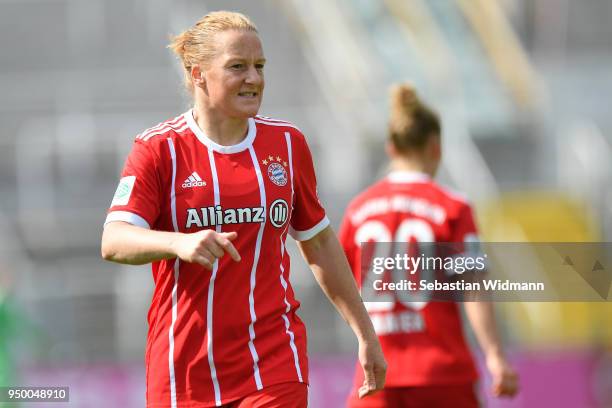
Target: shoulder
{"points": [[268, 125], [284, 131], [453, 195], [456, 202], [160, 132], [360, 207], [267, 122], [377, 189]]}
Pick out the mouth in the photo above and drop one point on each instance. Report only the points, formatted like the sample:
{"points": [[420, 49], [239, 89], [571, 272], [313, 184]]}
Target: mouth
{"points": [[251, 95]]}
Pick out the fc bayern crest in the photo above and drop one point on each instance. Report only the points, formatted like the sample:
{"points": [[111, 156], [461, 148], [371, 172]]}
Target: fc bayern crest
{"points": [[277, 174]]}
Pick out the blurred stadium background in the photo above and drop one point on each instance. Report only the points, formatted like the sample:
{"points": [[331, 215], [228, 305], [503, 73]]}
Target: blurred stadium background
{"points": [[524, 90]]}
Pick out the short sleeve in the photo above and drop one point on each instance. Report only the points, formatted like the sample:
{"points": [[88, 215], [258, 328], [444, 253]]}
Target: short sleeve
{"points": [[138, 195], [464, 228], [308, 217], [465, 234]]}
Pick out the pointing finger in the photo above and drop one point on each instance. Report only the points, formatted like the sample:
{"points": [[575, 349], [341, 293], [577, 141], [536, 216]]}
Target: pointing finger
{"points": [[230, 235], [229, 247]]}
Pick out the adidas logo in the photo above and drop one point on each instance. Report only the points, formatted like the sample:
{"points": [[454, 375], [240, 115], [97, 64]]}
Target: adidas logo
{"points": [[194, 180]]}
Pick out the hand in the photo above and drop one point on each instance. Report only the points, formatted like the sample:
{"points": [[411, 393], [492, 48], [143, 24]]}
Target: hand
{"points": [[505, 378], [205, 247], [374, 367]]}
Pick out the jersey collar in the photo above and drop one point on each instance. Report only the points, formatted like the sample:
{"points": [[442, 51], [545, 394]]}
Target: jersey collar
{"points": [[243, 145], [403, 176]]}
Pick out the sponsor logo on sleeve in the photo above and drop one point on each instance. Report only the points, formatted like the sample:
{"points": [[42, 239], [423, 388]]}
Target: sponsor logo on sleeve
{"points": [[124, 191]]}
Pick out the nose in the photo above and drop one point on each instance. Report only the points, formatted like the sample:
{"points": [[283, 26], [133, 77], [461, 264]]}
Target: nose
{"points": [[254, 76]]}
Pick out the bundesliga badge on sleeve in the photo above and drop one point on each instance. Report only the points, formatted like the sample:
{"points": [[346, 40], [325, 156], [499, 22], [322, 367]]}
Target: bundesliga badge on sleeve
{"points": [[124, 191]]}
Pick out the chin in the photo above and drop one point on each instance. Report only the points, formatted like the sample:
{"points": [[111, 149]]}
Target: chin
{"points": [[248, 106], [247, 112], [244, 114]]}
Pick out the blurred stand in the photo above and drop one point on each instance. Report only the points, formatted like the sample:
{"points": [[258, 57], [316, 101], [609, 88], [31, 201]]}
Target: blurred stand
{"points": [[522, 87]]}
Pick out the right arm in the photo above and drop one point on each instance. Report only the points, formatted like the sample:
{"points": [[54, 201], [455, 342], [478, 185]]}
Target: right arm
{"points": [[128, 244], [136, 205]]}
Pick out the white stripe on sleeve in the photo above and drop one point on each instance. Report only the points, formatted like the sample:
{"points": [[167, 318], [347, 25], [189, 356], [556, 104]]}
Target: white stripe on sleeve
{"points": [[311, 232], [128, 217]]}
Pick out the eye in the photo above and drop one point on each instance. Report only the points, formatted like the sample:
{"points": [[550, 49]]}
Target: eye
{"points": [[259, 67], [237, 66]]}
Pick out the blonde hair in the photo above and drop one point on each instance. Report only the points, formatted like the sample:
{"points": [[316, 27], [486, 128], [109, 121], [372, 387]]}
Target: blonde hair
{"points": [[197, 44], [411, 122]]}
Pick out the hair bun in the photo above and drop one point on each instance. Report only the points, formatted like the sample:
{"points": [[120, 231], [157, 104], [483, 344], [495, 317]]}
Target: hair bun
{"points": [[404, 98], [411, 122]]}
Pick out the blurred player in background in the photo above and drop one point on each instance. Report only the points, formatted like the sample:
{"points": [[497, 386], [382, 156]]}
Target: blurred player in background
{"points": [[8, 332], [209, 198], [429, 361], [19, 335]]}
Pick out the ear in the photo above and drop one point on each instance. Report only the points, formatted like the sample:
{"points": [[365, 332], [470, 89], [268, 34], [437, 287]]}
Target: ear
{"points": [[197, 75]]}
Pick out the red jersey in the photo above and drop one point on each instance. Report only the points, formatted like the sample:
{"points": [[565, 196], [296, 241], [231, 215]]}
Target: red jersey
{"points": [[216, 336], [422, 341]]}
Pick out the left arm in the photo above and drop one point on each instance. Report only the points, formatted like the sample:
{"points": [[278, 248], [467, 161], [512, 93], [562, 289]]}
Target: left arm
{"points": [[331, 270], [482, 319]]}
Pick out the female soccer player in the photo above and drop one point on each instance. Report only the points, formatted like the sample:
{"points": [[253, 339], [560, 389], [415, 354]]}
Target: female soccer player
{"points": [[209, 198], [429, 361]]}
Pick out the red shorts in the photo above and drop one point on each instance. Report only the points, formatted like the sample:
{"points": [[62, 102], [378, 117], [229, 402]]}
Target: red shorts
{"points": [[284, 395], [439, 396]]}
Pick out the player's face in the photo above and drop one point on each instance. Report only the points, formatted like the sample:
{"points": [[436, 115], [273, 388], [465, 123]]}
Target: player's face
{"points": [[234, 79]]}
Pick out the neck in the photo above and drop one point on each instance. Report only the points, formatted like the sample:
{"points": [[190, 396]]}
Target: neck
{"points": [[218, 128], [414, 165]]}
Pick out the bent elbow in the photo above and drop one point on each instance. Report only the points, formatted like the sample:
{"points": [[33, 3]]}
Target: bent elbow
{"points": [[107, 249], [107, 253]]}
